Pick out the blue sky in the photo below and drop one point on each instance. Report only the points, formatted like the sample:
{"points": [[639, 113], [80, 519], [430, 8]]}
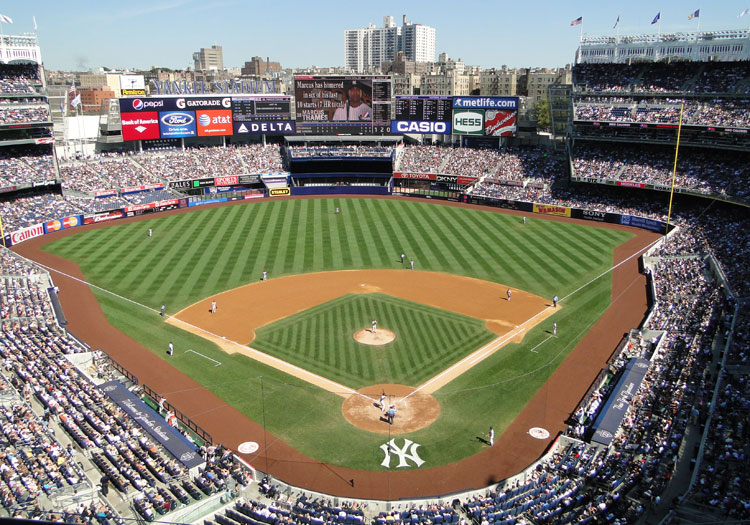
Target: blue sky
{"points": [[78, 35]]}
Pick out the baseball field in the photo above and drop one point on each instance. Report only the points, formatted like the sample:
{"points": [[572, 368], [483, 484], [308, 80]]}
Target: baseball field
{"points": [[452, 304]]}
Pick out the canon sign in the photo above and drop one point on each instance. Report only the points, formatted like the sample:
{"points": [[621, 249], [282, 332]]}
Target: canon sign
{"points": [[410, 126], [26, 233]]}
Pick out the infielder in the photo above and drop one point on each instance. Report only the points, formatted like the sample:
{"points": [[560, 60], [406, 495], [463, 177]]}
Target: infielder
{"points": [[508, 293], [265, 275], [213, 307], [171, 349], [411, 264]]}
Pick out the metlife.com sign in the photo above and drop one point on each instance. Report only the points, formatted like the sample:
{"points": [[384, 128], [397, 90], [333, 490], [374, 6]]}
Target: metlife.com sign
{"points": [[485, 102]]}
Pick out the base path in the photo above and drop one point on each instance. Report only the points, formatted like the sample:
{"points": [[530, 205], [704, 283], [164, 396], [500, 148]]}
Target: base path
{"points": [[514, 450]]}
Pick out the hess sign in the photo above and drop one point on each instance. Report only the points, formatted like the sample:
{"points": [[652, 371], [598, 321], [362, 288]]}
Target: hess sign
{"points": [[468, 122]]}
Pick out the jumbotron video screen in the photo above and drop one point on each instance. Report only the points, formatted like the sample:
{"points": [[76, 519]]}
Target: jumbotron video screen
{"points": [[343, 105]]}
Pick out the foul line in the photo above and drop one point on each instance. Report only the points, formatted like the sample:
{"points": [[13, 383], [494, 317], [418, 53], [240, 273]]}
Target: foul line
{"points": [[284, 366], [203, 356]]}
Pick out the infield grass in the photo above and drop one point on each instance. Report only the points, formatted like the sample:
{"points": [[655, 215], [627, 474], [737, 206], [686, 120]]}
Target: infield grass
{"points": [[321, 340], [197, 254]]}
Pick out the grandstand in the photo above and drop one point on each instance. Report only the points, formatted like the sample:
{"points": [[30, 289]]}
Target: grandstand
{"points": [[678, 447]]}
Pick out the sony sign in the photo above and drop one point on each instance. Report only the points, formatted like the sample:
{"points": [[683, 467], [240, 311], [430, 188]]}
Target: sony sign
{"points": [[411, 126]]}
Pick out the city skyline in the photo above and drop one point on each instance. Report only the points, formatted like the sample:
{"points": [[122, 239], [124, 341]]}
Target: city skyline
{"points": [[80, 36]]}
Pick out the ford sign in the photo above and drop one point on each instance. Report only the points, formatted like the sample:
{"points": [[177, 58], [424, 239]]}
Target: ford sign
{"points": [[177, 119]]}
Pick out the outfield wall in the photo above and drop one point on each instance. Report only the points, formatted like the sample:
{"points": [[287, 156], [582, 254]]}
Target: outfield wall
{"points": [[72, 221]]}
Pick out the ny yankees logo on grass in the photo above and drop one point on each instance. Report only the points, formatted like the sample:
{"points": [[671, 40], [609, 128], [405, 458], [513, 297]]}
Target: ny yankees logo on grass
{"points": [[403, 453]]}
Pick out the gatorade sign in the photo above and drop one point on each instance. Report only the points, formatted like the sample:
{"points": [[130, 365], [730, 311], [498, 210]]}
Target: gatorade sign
{"points": [[468, 122]]}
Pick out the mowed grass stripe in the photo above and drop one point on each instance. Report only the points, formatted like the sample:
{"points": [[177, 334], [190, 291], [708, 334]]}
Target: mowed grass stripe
{"points": [[406, 359], [390, 247], [493, 245], [227, 263], [572, 247], [429, 251], [170, 259], [201, 252], [475, 246]]}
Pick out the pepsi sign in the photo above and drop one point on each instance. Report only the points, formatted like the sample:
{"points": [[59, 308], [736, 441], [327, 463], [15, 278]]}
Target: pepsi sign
{"points": [[175, 124], [412, 126]]}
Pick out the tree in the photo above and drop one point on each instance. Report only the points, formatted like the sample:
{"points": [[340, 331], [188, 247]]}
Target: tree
{"points": [[542, 114]]}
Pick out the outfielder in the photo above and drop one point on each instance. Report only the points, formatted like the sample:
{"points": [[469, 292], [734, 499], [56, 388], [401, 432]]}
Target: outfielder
{"points": [[403, 255]]}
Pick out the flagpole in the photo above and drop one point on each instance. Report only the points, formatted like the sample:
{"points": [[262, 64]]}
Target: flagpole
{"points": [[674, 168]]}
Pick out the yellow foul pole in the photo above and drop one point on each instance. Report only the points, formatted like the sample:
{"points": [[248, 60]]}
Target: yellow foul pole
{"points": [[674, 168]]}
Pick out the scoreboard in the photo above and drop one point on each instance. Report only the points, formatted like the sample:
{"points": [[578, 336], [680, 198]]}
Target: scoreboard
{"points": [[423, 114], [254, 108], [343, 104]]}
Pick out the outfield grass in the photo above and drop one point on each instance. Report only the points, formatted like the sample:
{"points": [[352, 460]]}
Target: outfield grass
{"points": [[320, 339], [197, 254]]}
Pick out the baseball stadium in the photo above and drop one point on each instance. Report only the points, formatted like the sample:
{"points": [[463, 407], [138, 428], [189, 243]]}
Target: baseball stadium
{"points": [[339, 323]]}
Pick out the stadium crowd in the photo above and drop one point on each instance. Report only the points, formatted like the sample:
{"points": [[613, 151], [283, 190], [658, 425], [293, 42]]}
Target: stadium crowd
{"points": [[33, 350], [698, 170], [19, 78], [25, 165], [662, 77], [313, 151], [12, 115]]}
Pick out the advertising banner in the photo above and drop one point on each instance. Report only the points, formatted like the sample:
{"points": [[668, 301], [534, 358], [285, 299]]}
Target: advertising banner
{"points": [[249, 179], [629, 184], [485, 103], [152, 423], [413, 175], [104, 193], [642, 222], [103, 216], [278, 127], [226, 181], [62, 224], [140, 126], [24, 234], [214, 122], [420, 127], [139, 189], [468, 122], [177, 124], [500, 123], [551, 209], [279, 192], [594, 215]]}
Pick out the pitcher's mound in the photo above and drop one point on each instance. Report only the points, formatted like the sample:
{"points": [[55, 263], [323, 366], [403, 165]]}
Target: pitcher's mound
{"points": [[379, 338], [414, 411]]}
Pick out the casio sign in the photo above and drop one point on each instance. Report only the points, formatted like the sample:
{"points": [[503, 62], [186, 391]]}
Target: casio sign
{"points": [[467, 122], [406, 126], [177, 119]]}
